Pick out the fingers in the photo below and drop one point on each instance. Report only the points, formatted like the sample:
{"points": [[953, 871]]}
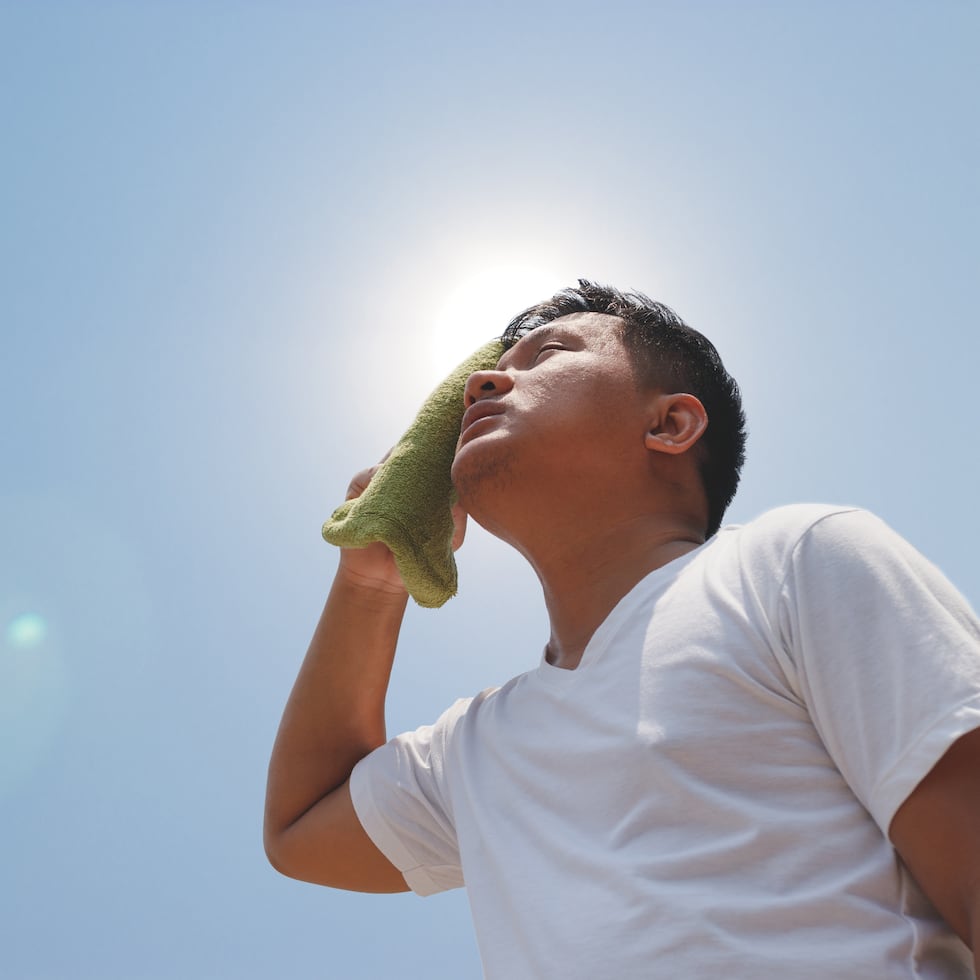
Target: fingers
{"points": [[360, 481], [459, 526]]}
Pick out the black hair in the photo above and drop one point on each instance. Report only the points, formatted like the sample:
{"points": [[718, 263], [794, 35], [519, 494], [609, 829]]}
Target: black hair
{"points": [[671, 355]]}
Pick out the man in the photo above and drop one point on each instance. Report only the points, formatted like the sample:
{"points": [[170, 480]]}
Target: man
{"points": [[751, 753]]}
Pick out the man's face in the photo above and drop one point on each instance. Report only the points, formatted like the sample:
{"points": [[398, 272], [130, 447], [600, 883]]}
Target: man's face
{"points": [[562, 407]]}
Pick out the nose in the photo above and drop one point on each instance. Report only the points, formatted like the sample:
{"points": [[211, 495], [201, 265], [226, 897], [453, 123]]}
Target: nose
{"points": [[484, 384]]}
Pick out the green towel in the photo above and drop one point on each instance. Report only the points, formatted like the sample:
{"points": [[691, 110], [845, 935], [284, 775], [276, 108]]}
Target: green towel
{"points": [[408, 503]]}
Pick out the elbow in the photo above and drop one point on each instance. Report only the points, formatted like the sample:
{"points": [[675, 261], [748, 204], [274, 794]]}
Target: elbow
{"points": [[280, 861], [284, 858], [275, 851]]}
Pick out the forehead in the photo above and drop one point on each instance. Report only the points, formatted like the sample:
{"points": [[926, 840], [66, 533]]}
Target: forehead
{"points": [[592, 329]]}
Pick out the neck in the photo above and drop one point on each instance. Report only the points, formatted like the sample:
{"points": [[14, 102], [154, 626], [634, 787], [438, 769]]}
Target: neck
{"points": [[584, 574]]}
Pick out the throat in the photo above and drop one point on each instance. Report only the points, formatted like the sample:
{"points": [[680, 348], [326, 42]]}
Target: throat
{"points": [[581, 595]]}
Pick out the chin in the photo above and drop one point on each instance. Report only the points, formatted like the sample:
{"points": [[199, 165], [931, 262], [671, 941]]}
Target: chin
{"points": [[480, 477]]}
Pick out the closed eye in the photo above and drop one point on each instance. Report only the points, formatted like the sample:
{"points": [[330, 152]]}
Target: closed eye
{"points": [[548, 347]]}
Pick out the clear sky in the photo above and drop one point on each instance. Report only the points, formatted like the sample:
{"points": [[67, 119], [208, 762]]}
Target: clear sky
{"points": [[239, 242]]}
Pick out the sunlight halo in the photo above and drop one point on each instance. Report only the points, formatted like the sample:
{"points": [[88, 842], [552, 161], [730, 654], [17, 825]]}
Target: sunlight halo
{"points": [[481, 305]]}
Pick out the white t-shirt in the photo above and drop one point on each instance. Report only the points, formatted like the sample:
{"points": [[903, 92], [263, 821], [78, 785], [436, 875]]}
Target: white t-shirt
{"points": [[708, 793]]}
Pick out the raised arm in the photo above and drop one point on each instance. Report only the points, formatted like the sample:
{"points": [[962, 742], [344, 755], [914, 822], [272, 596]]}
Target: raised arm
{"points": [[333, 718]]}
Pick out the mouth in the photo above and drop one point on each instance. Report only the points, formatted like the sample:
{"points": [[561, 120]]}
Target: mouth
{"points": [[477, 413]]}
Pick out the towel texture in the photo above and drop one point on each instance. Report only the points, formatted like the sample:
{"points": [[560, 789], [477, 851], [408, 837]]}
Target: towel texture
{"points": [[408, 503]]}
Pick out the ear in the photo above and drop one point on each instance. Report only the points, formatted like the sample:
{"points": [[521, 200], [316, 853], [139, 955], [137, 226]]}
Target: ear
{"points": [[677, 421]]}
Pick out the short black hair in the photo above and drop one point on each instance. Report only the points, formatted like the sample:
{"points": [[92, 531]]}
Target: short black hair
{"points": [[670, 355]]}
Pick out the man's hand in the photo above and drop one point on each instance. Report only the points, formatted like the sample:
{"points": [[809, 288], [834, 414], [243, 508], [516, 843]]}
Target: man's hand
{"points": [[374, 566]]}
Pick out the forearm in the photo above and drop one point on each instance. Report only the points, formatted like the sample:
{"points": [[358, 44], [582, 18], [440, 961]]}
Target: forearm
{"points": [[335, 713]]}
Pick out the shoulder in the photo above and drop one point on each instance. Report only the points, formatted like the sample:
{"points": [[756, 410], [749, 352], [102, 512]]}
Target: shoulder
{"points": [[792, 521], [773, 537], [847, 554], [825, 525], [816, 537], [464, 711], [432, 741], [473, 720]]}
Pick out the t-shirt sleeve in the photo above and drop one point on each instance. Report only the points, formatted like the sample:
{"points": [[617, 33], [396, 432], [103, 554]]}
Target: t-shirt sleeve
{"points": [[401, 798], [887, 654]]}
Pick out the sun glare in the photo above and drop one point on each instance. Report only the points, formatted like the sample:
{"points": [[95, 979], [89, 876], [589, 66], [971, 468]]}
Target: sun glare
{"points": [[479, 307]]}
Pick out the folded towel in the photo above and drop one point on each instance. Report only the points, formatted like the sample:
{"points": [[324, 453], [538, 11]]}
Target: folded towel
{"points": [[408, 503]]}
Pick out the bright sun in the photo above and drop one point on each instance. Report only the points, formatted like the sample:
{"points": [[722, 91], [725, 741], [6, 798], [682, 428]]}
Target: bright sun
{"points": [[479, 307]]}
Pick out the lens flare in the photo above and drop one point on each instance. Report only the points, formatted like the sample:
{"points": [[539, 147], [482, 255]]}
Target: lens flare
{"points": [[27, 631]]}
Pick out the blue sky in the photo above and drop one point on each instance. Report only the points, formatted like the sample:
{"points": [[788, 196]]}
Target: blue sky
{"points": [[236, 238]]}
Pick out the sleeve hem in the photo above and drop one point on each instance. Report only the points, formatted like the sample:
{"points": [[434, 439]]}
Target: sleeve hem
{"points": [[898, 784], [376, 827]]}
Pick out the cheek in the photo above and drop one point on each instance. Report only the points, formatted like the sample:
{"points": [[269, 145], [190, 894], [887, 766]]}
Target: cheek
{"points": [[589, 404]]}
